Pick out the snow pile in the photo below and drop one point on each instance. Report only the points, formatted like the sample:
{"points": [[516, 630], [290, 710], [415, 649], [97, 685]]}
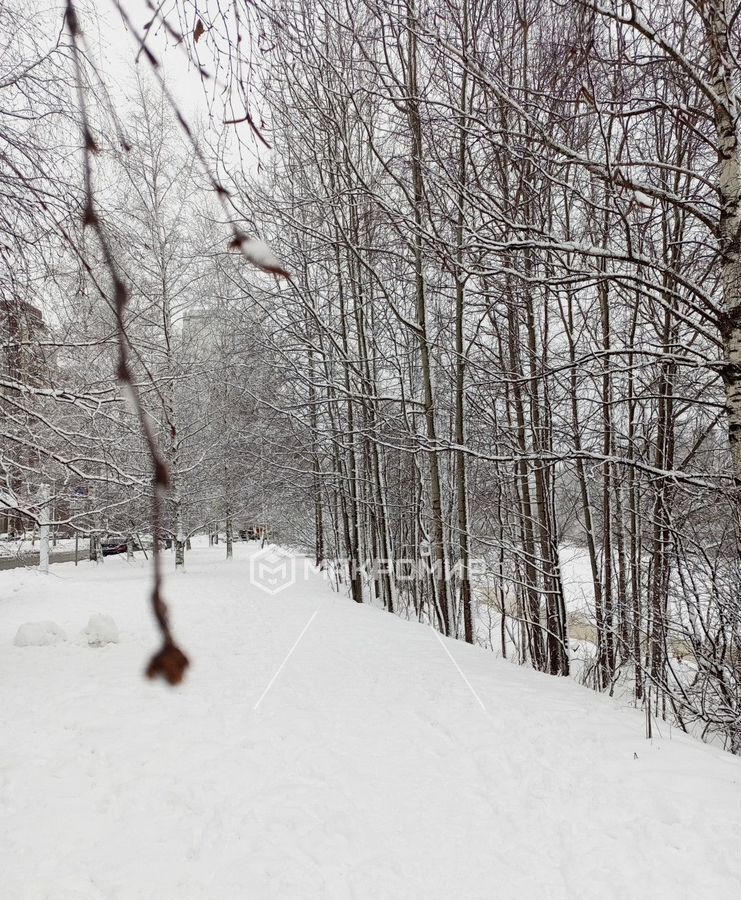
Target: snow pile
{"points": [[320, 749], [101, 630], [39, 634]]}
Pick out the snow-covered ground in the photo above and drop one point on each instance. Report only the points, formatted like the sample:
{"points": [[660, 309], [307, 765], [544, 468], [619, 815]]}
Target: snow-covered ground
{"points": [[369, 768]]}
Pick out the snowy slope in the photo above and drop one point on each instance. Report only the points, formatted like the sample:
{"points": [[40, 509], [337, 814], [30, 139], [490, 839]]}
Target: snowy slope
{"points": [[368, 770]]}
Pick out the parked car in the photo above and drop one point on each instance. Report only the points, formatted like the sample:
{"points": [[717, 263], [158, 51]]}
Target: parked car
{"points": [[113, 545], [252, 533]]}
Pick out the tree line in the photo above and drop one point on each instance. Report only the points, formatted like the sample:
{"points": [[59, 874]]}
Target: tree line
{"points": [[508, 349]]}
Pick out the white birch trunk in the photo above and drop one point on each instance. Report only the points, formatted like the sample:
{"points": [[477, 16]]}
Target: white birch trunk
{"points": [[44, 530], [726, 112]]}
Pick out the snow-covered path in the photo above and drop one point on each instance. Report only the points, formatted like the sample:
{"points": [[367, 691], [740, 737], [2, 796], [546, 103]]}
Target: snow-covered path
{"points": [[369, 769]]}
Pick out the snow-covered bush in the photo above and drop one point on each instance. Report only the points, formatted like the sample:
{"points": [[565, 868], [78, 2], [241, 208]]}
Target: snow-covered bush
{"points": [[101, 629], [38, 634]]}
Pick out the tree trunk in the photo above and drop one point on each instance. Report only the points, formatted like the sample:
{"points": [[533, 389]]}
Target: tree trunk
{"points": [[460, 351], [726, 111], [229, 534], [439, 558]]}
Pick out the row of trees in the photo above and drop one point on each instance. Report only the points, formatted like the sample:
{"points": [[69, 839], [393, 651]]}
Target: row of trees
{"points": [[514, 323], [496, 390], [194, 355]]}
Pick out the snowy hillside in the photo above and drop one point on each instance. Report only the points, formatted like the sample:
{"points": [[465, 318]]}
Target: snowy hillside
{"points": [[372, 767]]}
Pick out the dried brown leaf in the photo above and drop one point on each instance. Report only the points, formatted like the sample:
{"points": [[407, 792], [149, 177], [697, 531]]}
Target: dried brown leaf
{"points": [[170, 663]]}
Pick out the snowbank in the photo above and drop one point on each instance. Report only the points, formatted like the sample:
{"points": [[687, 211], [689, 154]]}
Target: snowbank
{"points": [[320, 749], [101, 630], [39, 634]]}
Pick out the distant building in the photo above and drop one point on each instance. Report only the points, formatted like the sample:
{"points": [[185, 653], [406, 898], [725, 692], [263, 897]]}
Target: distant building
{"points": [[22, 363], [21, 358], [199, 332]]}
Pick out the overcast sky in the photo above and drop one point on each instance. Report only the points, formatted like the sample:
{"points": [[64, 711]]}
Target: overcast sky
{"points": [[116, 49]]}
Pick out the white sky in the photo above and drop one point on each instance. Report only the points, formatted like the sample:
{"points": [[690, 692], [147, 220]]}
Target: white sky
{"points": [[115, 50]]}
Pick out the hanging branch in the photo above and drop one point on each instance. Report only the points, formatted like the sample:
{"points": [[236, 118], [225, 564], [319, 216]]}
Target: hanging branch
{"points": [[169, 662]]}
